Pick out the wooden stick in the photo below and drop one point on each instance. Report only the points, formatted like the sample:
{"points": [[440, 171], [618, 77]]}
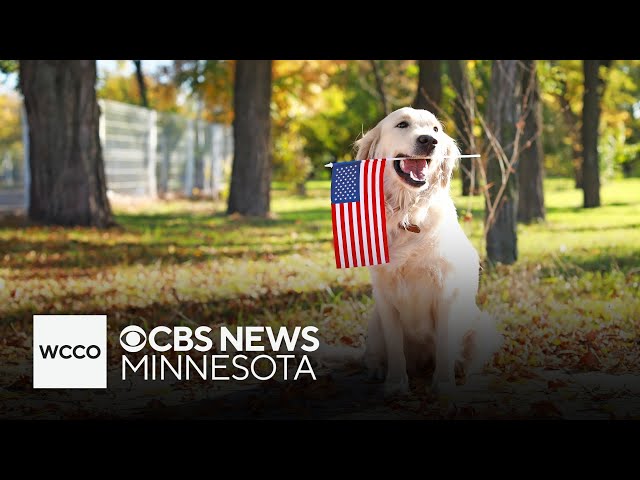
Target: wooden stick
{"points": [[329, 165]]}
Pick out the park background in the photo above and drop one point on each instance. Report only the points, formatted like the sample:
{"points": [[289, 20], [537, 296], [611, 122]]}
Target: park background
{"points": [[233, 225]]}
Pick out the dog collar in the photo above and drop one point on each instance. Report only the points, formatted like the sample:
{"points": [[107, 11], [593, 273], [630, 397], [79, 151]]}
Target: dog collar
{"points": [[409, 228]]}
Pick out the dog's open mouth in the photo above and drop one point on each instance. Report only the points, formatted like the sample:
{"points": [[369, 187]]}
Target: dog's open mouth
{"points": [[413, 171]]}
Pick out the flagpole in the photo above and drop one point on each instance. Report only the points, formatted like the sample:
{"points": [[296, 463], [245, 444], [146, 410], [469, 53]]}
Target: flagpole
{"points": [[395, 159]]}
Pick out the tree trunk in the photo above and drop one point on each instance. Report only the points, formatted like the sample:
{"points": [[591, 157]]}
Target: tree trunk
{"points": [[198, 149], [573, 124], [429, 93], [577, 169], [251, 173], [464, 118], [142, 87], [67, 170], [590, 123], [380, 87], [531, 161], [503, 115]]}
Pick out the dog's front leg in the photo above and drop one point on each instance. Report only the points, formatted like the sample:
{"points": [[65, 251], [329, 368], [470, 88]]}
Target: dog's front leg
{"points": [[397, 381], [444, 380], [374, 355]]}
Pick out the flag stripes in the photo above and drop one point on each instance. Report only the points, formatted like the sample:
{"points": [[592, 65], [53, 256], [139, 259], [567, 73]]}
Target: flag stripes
{"points": [[359, 227]]}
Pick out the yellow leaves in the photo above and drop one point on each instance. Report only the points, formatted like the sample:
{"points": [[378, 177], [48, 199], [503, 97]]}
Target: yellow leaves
{"points": [[10, 127]]}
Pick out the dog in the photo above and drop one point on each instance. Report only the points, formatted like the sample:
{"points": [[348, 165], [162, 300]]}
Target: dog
{"points": [[425, 308]]}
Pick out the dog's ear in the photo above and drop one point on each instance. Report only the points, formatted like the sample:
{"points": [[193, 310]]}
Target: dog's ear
{"points": [[367, 145], [452, 154]]}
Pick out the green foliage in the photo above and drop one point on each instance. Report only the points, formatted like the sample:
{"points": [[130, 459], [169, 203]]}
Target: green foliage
{"points": [[121, 87], [8, 66], [210, 83], [562, 90], [320, 107], [11, 151]]}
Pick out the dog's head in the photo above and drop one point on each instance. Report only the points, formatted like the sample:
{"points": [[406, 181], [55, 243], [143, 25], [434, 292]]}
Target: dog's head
{"points": [[408, 132]]}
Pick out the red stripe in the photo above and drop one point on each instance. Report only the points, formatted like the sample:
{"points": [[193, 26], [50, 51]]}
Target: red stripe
{"points": [[375, 212], [361, 232], [365, 199], [335, 235], [343, 239], [353, 240], [383, 212]]}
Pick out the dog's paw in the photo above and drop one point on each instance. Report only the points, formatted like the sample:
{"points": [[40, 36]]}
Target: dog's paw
{"points": [[396, 387]]}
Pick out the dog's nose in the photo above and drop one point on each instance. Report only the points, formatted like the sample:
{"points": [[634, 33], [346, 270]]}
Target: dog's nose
{"points": [[427, 139]]}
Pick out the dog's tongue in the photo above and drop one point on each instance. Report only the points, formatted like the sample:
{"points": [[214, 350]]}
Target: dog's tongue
{"points": [[417, 169]]}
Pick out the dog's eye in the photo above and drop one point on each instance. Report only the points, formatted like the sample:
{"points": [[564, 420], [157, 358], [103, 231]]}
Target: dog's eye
{"points": [[435, 129], [402, 125]]}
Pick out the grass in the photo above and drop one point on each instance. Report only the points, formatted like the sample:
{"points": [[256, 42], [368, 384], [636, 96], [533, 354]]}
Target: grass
{"points": [[571, 301]]}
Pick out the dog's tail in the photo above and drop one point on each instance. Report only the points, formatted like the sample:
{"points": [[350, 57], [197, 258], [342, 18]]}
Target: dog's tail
{"points": [[481, 342]]}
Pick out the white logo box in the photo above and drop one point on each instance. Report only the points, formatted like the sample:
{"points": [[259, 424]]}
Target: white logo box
{"points": [[77, 337]]}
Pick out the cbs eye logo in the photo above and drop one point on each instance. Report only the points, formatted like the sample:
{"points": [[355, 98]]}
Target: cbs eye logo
{"points": [[133, 338]]}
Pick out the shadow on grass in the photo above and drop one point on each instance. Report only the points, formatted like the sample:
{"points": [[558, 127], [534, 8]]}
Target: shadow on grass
{"points": [[174, 237], [603, 262], [172, 224], [75, 254], [594, 228], [234, 310], [607, 262]]}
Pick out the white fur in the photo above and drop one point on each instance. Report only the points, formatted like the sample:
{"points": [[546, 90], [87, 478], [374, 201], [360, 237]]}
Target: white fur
{"points": [[425, 307]]}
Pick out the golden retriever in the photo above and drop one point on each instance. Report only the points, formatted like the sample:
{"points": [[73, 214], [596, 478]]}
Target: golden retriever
{"points": [[425, 308]]}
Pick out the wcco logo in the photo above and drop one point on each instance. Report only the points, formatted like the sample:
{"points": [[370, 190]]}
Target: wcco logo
{"points": [[79, 351], [69, 351]]}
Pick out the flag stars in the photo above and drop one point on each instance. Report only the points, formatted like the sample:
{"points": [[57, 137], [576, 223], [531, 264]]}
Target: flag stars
{"points": [[345, 183]]}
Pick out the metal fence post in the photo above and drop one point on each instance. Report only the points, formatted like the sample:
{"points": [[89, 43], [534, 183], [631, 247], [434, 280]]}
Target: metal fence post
{"points": [[212, 168], [102, 125], [26, 166], [191, 158], [217, 144], [152, 147], [228, 146], [166, 163]]}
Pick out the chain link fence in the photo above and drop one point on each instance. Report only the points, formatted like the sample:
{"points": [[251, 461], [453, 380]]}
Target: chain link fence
{"points": [[146, 153]]}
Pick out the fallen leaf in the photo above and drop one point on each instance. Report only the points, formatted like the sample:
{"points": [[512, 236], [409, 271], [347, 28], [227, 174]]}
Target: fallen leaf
{"points": [[590, 361]]}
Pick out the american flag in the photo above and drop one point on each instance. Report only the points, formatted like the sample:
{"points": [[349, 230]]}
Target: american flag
{"points": [[357, 210]]}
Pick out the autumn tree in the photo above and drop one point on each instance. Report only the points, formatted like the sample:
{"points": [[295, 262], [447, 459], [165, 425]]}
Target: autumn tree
{"points": [[504, 128], [11, 151], [429, 94], [531, 161], [251, 174], [380, 86], [65, 156], [142, 87], [210, 83], [464, 119], [161, 95], [565, 78], [593, 90]]}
